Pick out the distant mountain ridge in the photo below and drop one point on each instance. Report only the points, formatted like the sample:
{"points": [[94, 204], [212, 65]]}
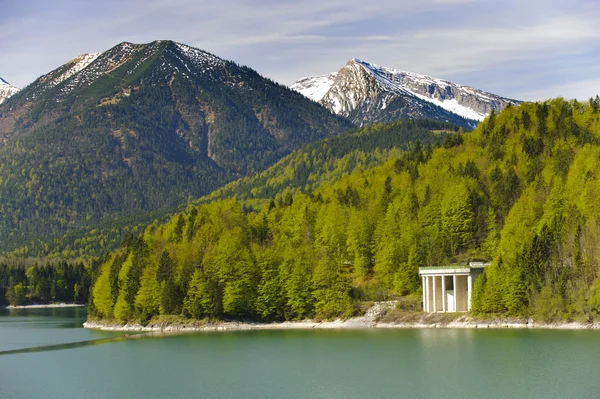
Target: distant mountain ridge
{"points": [[367, 93], [137, 128], [303, 170], [6, 90]]}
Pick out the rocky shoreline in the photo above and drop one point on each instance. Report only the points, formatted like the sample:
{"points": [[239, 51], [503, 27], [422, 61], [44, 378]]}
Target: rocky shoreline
{"points": [[376, 317], [354, 323], [48, 305]]}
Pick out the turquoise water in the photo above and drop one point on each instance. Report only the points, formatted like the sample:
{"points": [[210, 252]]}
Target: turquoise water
{"points": [[293, 364]]}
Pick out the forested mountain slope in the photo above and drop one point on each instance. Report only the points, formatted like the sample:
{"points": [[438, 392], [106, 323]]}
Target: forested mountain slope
{"points": [[302, 170], [521, 191], [330, 159], [137, 128]]}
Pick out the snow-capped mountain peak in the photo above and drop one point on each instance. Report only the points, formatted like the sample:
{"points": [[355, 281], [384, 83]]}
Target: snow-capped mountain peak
{"points": [[6, 90], [85, 69], [368, 92], [314, 87]]}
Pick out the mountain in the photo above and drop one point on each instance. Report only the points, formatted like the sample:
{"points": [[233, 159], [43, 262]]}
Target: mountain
{"points": [[137, 128], [328, 160], [303, 170], [367, 93], [6, 90]]}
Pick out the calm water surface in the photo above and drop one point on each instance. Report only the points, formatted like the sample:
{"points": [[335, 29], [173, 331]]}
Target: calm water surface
{"points": [[292, 364]]}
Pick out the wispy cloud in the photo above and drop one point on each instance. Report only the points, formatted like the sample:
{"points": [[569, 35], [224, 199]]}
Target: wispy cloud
{"points": [[508, 46]]}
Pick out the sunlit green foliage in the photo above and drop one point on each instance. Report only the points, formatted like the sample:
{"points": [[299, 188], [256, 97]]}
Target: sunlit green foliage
{"points": [[298, 256], [520, 191]]}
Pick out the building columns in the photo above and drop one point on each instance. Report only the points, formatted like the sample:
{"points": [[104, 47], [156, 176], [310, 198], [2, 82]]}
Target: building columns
{"points": [[424, 282], [427, 294], [444, 294], [434, 295], [469, 290], [435, 290], [455, 291], [430, 294]]}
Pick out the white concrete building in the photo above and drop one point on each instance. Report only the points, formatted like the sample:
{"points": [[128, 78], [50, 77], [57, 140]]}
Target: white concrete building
{"points": [[449, 288]]}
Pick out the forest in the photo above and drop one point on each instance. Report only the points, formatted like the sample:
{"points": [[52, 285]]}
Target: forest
{"points": [[42, 284], [309, 167], [330, 159], [255, 258], [519, 191]]}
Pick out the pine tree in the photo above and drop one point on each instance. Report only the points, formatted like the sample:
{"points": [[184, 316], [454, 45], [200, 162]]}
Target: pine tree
{"points": [[457, 218]]}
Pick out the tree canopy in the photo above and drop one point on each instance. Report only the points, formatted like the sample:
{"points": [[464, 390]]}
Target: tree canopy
{"points": [[519, 191]]}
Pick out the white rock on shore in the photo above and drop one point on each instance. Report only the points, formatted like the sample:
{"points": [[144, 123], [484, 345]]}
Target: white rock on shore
{"points": [[48, 305], [358, 322], [369, 320]]}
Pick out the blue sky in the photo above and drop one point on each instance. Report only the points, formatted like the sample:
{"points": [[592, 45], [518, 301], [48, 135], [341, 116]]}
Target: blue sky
{"points": [[529, 49]]}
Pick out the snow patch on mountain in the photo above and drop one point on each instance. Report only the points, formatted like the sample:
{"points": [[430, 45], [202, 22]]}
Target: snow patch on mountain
{"points": [[453, 106], [6, 90], [314, 87], [195, 61], [79, 63], [71, 68], [104, 63], [200, 57], [443, 93]]}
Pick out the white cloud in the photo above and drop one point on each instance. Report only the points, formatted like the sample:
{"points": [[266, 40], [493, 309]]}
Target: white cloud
{"points": [[476, 41], [581, 90]]}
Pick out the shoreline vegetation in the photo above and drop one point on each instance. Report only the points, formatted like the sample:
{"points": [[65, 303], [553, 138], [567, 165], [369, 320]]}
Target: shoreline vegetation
{"points": [[382, 315], [56, 283], [519, 192]]}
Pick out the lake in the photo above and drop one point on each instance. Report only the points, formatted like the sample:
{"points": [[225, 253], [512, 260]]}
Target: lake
{"points": [[429, 363]]}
